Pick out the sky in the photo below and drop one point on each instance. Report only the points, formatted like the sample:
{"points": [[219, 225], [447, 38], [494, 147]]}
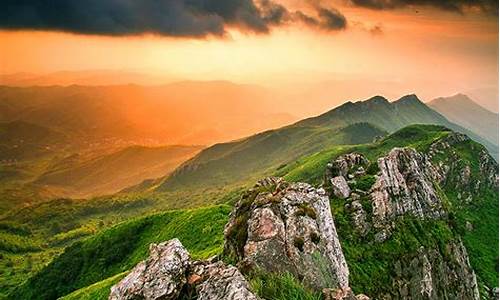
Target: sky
{"points": [[388, 47]]}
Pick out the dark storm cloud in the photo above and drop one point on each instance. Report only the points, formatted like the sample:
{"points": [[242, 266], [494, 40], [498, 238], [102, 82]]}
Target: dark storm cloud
{"points": [[328, 19], [487, 6], [189, 18]]}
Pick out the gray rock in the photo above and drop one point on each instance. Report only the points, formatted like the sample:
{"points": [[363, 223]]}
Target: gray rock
{"points": [[223, 283], [358, 216], [404, 187], [344, 165], [340, 187], [288, 228], [168, 273], [428, 275], [161, 276]]}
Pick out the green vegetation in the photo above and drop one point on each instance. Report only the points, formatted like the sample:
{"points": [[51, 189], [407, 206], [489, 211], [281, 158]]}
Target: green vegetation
{"points": [[96, 291], [121, 247], [370, 264], [281, 287], [94, 252], [252, 158]]}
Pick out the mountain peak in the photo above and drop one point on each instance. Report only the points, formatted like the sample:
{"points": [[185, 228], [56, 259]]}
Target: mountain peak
{"points": [[408, 99], [377, 99]]}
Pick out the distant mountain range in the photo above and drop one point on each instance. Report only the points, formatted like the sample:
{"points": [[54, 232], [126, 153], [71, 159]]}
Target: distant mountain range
{"points": [[462, 110], [350, 123], [188, 112]]}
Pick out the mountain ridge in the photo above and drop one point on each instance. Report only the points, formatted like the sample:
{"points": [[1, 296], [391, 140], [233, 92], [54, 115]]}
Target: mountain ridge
{"points": [[466, 112]]}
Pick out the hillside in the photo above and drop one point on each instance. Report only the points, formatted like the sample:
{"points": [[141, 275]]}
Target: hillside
{"points": [[92, 266], [21, 140], [242, 160], [119, 248], [123, 168], [462, 110], [232, 162]]}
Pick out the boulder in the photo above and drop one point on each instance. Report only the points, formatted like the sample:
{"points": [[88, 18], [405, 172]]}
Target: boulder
{"points": [[161, 276], [168, 273], [287, 227], [340, 188], [223, 283]]}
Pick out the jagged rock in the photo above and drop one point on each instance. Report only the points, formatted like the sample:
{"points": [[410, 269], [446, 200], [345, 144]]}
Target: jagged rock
{"points": [[223, 283], [344, 164], [453, 170], [287, 227], [168, 273], [358, 216], [340, 187], [360, 172], [428, 275], [404, 187], [342, 294], [161, 276], [338, 294]]}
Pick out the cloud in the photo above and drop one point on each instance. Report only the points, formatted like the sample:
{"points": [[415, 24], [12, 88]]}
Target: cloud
{"points": [[328, 19], [183, 18], [486, 6]]}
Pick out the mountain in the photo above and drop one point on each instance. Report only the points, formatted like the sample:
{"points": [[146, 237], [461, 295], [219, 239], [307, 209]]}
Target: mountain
{"points": [[418, 218], [242, 160], [462, 110], [349, 123], [123, 168], [188, 112]]}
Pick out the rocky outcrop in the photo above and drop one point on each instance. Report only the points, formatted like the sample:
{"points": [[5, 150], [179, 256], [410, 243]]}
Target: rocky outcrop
{"points": [[287, 227], [219, 281], [340, 188], [427, 275], [169, 273], [161, 276], [358, 215], [404, 187], [453, 170], [344, 165]]}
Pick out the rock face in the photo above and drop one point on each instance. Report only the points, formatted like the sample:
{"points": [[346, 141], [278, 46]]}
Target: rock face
{"points": [[404, 187], [451, 170], [340, 187], [343, 165], [287, 227], [219, 281], [428, 276], [169, 273], [407, 184], [161, 276]]}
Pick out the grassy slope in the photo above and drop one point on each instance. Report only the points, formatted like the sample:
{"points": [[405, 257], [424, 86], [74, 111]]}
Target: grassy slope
{"points": [[121, 247], [248, 159], [123, 168]]}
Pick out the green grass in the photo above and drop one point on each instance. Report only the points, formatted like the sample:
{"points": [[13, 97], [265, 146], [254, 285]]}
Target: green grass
{"points": [[281, 287], [121, 247], [96, 291], [249, 159]]}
